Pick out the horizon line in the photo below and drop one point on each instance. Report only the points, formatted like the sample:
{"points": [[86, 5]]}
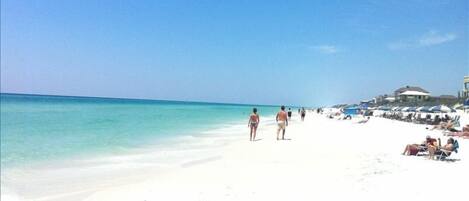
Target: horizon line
{"points": [[142, 99]]}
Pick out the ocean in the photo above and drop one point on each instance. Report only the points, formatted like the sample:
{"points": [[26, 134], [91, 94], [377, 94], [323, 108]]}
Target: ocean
{"points": [[36, 129]]}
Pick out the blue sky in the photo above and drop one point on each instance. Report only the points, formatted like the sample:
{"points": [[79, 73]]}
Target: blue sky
{"points": [[266, 52]]}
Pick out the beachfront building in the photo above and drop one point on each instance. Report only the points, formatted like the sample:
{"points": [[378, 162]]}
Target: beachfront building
{"points": [[465, 90], [390, 99], [383, 99], [411, 94]]}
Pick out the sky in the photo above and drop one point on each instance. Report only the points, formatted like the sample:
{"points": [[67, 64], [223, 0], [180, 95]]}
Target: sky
{"points": [[310, 53]]}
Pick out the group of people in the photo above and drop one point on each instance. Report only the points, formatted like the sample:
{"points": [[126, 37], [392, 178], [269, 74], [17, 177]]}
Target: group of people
{"points": [[281, 119], [450, 130], [433, 146]]}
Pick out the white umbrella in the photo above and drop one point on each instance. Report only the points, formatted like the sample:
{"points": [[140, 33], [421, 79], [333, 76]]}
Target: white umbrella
{"points": [[442, 108]]}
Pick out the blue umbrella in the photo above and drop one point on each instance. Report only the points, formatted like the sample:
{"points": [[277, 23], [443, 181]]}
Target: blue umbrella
{"points": [[424, 109], [364, 106], [404, 109], [412, 109], [385, 108], [351, 110]]}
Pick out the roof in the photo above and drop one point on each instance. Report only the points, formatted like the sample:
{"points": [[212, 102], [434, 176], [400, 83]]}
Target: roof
{"points": [[414, 93], [410, 88]]}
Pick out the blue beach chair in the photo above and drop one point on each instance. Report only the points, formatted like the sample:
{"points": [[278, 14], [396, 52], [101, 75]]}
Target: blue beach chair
{"points": [[445, 154]]}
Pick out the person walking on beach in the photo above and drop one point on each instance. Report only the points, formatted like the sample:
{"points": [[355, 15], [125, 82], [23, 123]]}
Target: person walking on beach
{"points": [[289, 113], [303, 114], [282, 122], [253, 123]]}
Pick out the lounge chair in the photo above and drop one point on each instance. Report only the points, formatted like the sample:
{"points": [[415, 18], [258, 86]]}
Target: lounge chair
{"points": [[419, 119], [456, 122], [436, 120], [428, 119], [443, 154], [409, 117]]}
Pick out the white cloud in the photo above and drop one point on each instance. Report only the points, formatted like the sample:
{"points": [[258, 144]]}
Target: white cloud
{"points": [[433, 38], [326, 49], [430, 38]]}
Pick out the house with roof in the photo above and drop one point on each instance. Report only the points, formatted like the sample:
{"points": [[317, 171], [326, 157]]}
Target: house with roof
{"points": [[383, 99], [411, 94]]}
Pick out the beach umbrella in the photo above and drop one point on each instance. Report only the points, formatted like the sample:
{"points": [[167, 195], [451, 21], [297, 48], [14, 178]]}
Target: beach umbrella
{"points": [[363, 106], [458, 106], [423, 109], [385, 108], [412, 109], [442, 108]]}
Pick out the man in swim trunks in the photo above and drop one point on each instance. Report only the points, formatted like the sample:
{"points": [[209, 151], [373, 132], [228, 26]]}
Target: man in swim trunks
{"points": [[253, 123], [289, 113], [282, 122]]}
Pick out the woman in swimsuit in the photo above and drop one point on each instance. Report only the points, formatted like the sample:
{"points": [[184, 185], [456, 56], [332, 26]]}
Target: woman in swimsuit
{"points": [[253, 123]]}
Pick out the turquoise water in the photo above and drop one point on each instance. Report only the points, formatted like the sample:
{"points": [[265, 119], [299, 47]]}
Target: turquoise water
{"points": [[41, 128]]}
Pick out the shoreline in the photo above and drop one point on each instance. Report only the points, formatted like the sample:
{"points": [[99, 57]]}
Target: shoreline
{"points": [[173, 152]]}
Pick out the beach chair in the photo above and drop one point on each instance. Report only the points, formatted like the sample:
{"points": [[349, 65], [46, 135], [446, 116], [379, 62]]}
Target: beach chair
{"points": [[436, 120], [444, 154], [418, 119], [428, 119], [456, 121], [409, 117]]}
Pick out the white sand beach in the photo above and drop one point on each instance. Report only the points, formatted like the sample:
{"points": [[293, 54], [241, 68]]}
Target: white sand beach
{"points": [[323, 159]]}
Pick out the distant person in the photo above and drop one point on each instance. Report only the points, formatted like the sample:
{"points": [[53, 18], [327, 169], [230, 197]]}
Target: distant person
{"points": [[299, 111], [464, 133], [303, 114], [364, 120], [444, 125], [282, 122], [289, 113], [253, 123]]}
